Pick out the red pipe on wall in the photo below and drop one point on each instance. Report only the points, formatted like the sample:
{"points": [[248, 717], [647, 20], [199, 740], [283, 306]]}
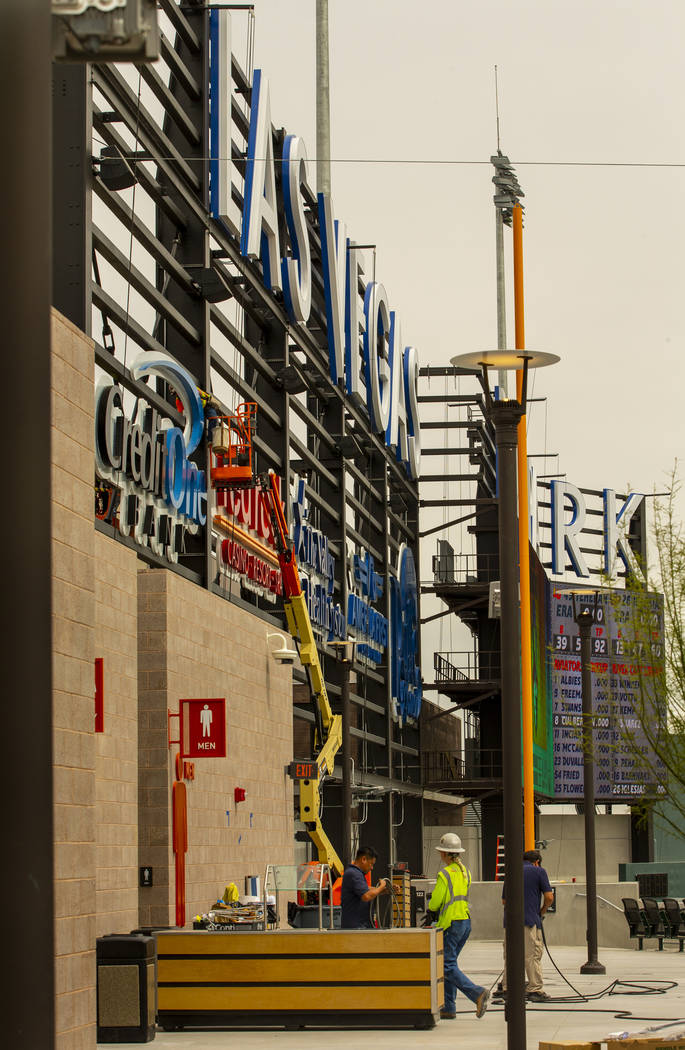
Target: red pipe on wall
{"points": [[179, 828]]}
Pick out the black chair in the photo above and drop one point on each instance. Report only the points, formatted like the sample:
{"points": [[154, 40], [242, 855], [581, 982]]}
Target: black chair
{"points": [[637, 926], [653, 920], [673, 921]]}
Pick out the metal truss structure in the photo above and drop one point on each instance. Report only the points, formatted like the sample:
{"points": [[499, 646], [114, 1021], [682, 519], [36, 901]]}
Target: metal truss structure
{"points": [[140, 265]]}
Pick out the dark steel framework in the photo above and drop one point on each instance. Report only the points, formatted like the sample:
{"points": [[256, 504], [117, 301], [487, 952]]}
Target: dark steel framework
{"points": [[472, 680], [141, 265]]}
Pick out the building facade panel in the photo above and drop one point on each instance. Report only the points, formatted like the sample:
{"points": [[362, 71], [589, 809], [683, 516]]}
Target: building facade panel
{"points": [[73, 706]]}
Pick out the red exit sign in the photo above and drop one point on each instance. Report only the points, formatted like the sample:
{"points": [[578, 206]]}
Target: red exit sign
{"points": [[303, 770], [203, 728]]}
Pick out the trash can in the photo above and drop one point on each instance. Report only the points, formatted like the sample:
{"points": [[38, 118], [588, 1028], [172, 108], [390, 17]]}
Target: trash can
{"points": [[125, 988]]}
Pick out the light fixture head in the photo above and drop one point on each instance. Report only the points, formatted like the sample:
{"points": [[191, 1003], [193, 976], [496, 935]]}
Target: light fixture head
{"points": [[284, 655], [503, 359]]}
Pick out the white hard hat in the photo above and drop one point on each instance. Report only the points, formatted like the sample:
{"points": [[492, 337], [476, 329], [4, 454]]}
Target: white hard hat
{"points": [[450, 843]]}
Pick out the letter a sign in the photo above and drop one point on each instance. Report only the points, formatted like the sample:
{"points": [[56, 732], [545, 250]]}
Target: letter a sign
{"points": [[203, 728]]}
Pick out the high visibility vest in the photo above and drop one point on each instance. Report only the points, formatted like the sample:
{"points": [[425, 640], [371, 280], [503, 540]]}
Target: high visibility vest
{"points": [[451, 894]]}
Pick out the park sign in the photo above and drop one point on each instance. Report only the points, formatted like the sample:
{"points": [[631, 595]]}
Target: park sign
{"points": [[592, 535], [367, 355]]}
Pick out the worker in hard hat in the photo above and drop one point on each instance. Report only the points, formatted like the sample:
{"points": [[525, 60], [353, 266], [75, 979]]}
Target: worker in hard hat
{"points": [[450, 907]]}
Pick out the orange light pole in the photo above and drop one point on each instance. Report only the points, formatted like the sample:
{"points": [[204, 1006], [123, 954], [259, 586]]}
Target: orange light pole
{"points": [[524, 561]]}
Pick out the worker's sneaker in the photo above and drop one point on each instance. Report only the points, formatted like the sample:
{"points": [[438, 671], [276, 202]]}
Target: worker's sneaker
{"points": [[482, 1002], [538, 997], [448, 1015]]}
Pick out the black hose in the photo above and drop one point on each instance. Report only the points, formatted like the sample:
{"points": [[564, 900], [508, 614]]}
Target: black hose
{"points": [[616, 987]]}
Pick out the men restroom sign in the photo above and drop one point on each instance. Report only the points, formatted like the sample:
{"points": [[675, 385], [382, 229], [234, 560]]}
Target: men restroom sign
{"points": [[203, 728]]}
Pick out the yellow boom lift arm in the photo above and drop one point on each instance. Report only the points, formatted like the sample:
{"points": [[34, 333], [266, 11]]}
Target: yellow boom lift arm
{"points": [[231, 443], [329, 725]]}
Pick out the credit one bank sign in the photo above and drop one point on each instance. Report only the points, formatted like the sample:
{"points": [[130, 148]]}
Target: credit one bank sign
{"points": [[146, 458], [366, 353]]}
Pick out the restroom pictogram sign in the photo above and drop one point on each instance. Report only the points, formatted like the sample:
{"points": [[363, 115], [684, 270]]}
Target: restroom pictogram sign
{"points": [[203, 728]]}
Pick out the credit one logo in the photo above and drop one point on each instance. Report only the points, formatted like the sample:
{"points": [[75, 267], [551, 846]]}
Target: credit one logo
{"points": [[146, 458]]}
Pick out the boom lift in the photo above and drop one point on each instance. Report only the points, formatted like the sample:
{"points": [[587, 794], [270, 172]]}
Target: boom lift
{"points": [[232, 475]]}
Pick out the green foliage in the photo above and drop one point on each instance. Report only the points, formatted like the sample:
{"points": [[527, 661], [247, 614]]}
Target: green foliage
{"points": [[661, 702]]}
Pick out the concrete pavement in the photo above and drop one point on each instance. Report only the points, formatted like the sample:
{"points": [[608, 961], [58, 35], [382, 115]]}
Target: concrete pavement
{"points": [[482, 961]]}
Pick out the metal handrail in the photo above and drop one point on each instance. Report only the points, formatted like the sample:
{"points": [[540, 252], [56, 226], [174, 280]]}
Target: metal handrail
{"points": [[483, 764], [466, 665], [465, 568]]}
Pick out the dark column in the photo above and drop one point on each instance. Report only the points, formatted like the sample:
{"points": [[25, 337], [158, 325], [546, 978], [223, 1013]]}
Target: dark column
{"points": [[28, 1020], [346, 756], [641, 836], [506, 416], [584, 619], [71, 178]]}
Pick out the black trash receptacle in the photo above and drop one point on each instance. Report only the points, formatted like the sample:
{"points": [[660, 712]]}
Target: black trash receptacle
{"points": [[125, 988]]}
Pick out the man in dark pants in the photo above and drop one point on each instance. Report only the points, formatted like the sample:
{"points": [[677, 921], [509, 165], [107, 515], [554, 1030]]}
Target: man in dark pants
{"points": [[537, 897], [356, 893]]}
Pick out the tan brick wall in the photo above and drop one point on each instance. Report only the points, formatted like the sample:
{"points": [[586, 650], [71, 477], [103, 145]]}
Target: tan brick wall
{"points": [[73, 582], [116, 807], [211, 648]]}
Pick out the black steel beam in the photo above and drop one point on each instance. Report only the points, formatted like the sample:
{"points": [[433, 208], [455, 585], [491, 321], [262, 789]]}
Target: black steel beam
{"points": [[28, 1017], [71, 212]]}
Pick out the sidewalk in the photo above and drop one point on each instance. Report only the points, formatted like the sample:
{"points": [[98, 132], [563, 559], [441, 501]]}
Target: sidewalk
{"points": [[482, 961]]}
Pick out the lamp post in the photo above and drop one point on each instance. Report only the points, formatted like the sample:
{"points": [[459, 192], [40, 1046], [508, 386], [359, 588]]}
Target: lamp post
{"points": [[505, 416], [584, 613]]}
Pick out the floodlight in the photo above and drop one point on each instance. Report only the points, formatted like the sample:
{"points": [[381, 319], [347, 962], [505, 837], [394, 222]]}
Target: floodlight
{"points": [[105, 30]]}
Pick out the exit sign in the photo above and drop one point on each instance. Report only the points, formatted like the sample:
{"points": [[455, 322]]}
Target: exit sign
{"points": [[303, 770]]}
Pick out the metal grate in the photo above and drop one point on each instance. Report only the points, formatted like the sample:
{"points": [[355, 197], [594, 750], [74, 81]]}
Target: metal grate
{"points": [[654, 884]]}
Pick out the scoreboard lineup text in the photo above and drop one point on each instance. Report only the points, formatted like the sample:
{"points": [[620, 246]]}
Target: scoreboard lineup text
{"points": [[626, 653]]}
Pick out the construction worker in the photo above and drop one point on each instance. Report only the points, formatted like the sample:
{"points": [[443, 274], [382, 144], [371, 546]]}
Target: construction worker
{"points": [[449, 905], [356, 894], [537, 897]]}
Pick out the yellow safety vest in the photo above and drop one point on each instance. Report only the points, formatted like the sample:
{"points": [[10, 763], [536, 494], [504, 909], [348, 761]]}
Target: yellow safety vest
{"points": [[450, 896]]}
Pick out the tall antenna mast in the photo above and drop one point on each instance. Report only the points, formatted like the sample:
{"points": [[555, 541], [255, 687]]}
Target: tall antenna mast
{"points": [[323, 103], [506, 197], [497, 117]]}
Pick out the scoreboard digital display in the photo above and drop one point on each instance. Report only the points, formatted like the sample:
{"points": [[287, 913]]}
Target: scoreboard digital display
{"points": [[625, 661]]}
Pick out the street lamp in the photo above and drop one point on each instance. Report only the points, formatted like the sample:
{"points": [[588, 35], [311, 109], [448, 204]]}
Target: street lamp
{"points": [[584, 614], [506, 415]]}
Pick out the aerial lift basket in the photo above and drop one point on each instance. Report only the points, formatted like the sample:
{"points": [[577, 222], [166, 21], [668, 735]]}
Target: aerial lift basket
{"points": [[231, 443]]}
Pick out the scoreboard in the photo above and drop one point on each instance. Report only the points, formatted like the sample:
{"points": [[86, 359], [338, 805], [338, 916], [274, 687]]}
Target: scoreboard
{"points": [[627, 642]]}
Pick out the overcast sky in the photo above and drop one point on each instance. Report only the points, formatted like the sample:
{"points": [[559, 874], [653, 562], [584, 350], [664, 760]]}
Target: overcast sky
{"points": [[592, 115]]}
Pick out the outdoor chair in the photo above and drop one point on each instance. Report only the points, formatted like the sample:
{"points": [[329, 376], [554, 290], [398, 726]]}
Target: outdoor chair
{"points": [[653, 920], [637, 925], [673, 921]]}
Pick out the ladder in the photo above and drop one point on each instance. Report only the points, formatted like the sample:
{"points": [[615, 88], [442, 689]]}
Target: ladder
{"points": [[499, 860]]}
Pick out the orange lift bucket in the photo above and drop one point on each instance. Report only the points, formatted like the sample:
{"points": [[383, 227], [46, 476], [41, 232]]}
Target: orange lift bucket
{"points": [[231, 443]]}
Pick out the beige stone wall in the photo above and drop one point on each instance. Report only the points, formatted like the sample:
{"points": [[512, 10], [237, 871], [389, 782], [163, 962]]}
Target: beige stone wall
{"points": [[73, 581], [116, 806], [193, 645]]}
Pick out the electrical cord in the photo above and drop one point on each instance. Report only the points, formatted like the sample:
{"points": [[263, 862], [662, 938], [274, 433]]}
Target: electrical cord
{"points": [[639, 988], [616, 987], [378, 916]]}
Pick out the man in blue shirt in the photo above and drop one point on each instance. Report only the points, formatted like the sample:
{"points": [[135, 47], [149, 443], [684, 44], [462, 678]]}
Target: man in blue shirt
{"points": [[356, 894], [537, 897]]}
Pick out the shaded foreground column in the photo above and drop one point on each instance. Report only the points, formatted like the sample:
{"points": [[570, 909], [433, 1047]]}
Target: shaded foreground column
{"points": [[505, 416], [28, 1020]]}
